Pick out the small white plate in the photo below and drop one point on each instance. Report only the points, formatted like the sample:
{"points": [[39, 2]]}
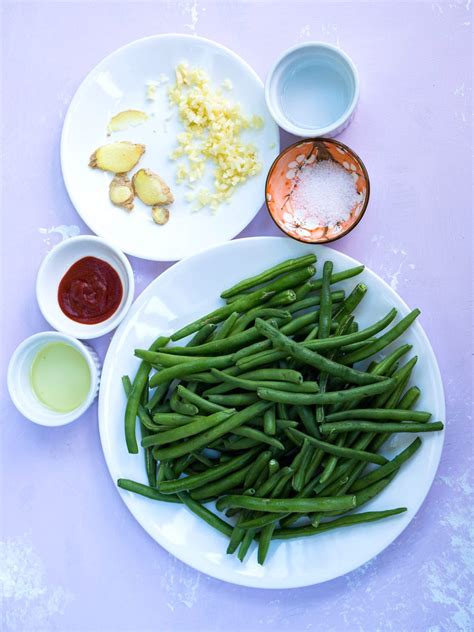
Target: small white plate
{"points": [[19, 379], [55, 265], [190, 289], [117, 84]]}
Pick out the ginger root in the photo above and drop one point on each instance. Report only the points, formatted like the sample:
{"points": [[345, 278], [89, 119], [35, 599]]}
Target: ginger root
{"points": [[151, 189], [125, 119], [160, 215], [121, 192], [117, 157]]}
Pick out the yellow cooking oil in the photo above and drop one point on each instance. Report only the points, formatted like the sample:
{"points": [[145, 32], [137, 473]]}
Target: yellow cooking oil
{"points": [[60, 377]]}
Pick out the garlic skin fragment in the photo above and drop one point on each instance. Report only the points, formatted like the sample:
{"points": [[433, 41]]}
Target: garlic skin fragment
{"points": [[121, 192], [160, 215], [117, 157], [151, 189], [126, 119]]}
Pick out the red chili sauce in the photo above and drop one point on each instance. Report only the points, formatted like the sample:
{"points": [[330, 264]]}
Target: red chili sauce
{"points": [[90, 291]]}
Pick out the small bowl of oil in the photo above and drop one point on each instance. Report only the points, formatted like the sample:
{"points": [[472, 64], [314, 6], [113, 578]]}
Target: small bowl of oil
{"points": [[53, 378]]}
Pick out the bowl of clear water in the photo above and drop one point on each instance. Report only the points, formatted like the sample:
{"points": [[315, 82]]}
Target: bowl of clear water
{"points": [[312, 90]]}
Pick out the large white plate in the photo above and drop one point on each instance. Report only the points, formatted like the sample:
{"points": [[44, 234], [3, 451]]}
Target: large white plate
{"points": [[117, 84], [178, 296]]}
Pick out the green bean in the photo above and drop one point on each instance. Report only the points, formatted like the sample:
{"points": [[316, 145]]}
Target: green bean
{"points": [[200, 337], [368, 493], [247, 319], [234, 399], [187, 430], [346, 521], [150, 463], [307, 417], [214, 347], [252, 433], [314, 301], [401, 377], [355, 346], [145, 490], [264, 541], [133, 400], [388, 468], [333, 397], [242, 443], [226, 326], [211, 474], [383, 341], [282, 299], [352, 301], [204, 439], [287, 266], [277, 375], [329, 448], [373, 426], [245, 360], [218, 315], [190, 366], [316, 284], [285, 505], [330, 466], [257, 467], [182, 408], [197, 400], [380, 414], [299, 476], [217, 487], [306, 356], [141, 412], [269, 421], [245, 544], [287, 281], [157, 397], [206, 515], [289, 329], [175, 419], [326, 302], [409, 399], [206, 377], [303, 290], [254, 385]]}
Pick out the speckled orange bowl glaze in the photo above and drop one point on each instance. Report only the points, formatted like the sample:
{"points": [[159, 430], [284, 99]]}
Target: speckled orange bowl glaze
{"points": [[283, 177]]}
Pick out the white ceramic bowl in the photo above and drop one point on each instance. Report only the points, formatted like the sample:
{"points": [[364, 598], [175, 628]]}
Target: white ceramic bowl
{"points": [[19, 380], [312, 90], [57, 263]]}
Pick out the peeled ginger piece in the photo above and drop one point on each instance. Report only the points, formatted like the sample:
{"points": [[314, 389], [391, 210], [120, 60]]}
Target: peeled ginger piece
{"points": [[151, 189], [126, 119], [117, 157], [160, 215], [121, 192]]}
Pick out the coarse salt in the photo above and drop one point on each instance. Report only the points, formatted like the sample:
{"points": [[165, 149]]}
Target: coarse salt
{"points": [[324, 195]]}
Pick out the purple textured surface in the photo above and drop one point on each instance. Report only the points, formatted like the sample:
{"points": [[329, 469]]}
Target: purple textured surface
{"points": [[72, 558]]}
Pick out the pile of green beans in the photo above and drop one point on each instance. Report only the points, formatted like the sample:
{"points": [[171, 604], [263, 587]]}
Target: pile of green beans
{"points": [[263, 413]]}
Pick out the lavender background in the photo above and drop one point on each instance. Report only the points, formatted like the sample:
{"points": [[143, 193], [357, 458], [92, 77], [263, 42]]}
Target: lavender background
{"points": [[71, 555]]}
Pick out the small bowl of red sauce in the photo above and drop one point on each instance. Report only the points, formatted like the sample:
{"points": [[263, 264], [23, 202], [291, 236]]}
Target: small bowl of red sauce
{"points": [[85, 286]]}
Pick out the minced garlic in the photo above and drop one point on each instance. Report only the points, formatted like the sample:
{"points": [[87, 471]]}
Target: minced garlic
{"points": [[212, 131]]}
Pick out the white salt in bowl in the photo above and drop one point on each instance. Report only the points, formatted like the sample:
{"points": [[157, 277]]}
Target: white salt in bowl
{"points": [[295, 217], [313, 90]]}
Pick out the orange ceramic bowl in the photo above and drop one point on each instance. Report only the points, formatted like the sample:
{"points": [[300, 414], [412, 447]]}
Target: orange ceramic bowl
{"points": [[283, 177]]}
